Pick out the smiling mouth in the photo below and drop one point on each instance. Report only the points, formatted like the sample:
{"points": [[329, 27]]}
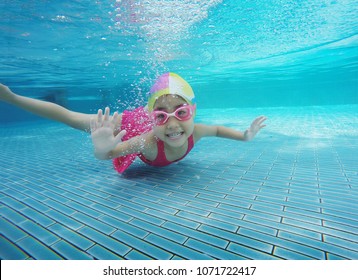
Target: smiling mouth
{"points": [[174, 135]]}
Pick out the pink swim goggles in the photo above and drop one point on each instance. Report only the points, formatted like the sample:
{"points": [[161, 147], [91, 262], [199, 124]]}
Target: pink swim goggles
{"points": [[183, 113]]}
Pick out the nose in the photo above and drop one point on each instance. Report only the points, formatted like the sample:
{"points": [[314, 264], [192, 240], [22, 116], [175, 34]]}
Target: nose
{"points": [[172, 122]]}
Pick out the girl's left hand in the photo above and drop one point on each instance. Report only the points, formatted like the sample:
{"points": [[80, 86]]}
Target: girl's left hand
{"points": [[255, 127]]}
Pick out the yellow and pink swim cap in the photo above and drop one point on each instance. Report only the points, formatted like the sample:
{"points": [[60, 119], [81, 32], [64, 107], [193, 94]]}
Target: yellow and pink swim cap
{"points": [[170, 83]]}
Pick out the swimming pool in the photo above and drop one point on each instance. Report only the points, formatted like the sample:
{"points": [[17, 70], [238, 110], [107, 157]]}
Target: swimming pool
{"points": [[289, 194]]}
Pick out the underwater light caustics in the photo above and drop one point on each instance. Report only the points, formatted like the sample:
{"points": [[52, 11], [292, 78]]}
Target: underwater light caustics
{"points": [[161, 24]]}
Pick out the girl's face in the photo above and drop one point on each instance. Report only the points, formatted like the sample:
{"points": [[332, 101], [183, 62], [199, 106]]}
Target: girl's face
{"points": [[174, 132]]}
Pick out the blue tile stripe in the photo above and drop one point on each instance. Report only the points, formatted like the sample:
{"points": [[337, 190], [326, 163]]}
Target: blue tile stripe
{"points": [[237, 238], [10, 230], [69, 252], [71, 236], [210, 250], [287, 254], [42, 234], [101, 253], [277, 241], [201, 236], [161, 231], [105, 241], [143, 246], [345, 243], [135, 255], [10, 251], [249, 252], [319, 245], [38, 250], [177, 248]]}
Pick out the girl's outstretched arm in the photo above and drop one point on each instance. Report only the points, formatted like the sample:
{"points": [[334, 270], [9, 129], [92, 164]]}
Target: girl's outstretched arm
{"points": [[46, 109], [229, 133]]}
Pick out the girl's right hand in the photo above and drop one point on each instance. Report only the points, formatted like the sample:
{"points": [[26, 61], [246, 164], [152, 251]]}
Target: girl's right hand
{"points": [[102, 132], [5, 93]]}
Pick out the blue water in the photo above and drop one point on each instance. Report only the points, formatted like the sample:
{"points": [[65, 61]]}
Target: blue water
{"points": [[234, 53], [289, 194]]}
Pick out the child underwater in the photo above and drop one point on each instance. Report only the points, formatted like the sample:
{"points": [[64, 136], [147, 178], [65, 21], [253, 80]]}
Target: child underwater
{"points": [[160, 133]]}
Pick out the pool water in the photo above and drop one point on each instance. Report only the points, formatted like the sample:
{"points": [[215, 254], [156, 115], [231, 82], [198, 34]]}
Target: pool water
{"points": [[291, 193], [234, 53]]}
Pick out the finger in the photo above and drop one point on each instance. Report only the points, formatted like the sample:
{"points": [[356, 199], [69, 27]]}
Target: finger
{"points": [[99, 116], [120, 135], [255, 122], [261, 120], [115, 118], [106, 114]]}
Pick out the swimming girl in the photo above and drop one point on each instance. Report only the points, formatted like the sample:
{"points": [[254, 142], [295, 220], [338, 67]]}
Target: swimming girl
{"points": [[160, 133]]}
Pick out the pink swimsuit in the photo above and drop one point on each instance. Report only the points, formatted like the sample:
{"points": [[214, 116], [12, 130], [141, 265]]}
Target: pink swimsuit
{"points": [[138, 122], [161, 159]]}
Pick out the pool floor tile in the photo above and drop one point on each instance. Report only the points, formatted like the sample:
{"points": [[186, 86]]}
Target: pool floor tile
{"points": [[10, 251]]}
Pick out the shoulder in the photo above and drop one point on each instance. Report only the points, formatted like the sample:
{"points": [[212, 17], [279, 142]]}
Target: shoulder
{"points": [[148, 145], [202, 130]]}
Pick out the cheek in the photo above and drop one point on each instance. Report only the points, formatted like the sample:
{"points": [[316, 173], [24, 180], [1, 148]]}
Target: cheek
{"points": [[189, 126], [158, 131]]}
